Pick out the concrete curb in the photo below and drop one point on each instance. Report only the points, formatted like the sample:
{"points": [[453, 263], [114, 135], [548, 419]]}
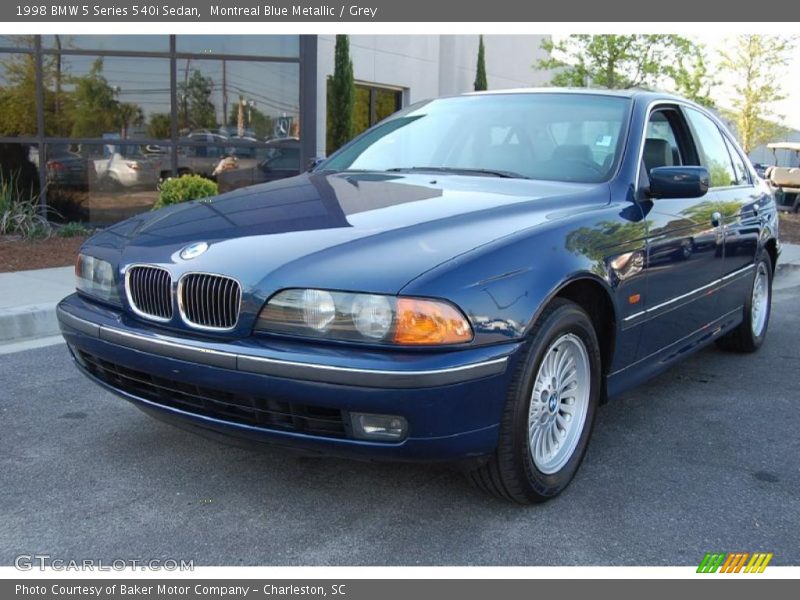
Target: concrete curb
{"points": [[28, 300], [28, 322]]}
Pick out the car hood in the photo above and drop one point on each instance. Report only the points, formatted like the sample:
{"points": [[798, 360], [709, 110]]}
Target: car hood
{"points": [[352, 231]]}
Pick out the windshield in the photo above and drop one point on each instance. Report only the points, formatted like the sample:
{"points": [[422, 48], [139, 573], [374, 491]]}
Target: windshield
{"points": [[564, 137]]}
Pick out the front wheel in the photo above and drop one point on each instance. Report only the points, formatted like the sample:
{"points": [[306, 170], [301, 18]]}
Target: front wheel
{"points": [[550, 409], [752, 331]]}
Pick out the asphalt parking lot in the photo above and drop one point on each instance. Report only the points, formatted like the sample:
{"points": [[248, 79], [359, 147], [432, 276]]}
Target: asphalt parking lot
{"points": [[704, 458]]}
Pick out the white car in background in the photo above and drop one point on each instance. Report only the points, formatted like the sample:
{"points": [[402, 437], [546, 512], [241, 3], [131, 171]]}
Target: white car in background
{"points": [[123, 166]]}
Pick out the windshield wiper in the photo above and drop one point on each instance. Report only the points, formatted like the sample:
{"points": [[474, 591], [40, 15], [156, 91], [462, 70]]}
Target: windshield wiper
{"points": [[460, 171]]}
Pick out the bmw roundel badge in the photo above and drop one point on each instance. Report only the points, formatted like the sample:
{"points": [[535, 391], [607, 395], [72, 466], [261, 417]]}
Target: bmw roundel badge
{"points": [[193, 250]]}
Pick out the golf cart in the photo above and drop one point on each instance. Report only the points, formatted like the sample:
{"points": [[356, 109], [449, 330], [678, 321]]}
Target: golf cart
{"points": [[785, 180]]}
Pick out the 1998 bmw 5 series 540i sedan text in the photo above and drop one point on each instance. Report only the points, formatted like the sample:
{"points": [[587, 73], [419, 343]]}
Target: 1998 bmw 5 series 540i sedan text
{"points": [[466, 281]]}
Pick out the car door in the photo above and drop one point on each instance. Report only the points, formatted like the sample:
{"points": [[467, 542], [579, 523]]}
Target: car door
{"points": [[736, 201], [684, 244]]}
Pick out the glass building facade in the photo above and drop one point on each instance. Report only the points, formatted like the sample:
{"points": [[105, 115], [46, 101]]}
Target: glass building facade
{"points": [[92, 124]]}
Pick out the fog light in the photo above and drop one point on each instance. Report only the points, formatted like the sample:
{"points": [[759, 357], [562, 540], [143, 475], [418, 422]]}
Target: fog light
{"points": [[378, 427]]}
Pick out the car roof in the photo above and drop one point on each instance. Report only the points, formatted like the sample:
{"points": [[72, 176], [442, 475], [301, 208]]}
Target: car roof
{"points": [[626, 93]]}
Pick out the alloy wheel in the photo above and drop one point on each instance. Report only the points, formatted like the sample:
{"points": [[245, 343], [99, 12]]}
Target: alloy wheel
{"points": [[559, 403], [759, 306]]}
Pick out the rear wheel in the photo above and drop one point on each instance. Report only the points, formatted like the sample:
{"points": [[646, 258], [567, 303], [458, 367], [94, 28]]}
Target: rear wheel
{"points": [[752, 331], [550, 409], [110, 183]]}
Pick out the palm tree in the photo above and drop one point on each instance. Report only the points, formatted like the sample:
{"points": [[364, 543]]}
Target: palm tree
{"points": [[128, 113]]}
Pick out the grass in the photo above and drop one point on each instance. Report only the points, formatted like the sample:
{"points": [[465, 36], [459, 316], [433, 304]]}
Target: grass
{"points": [[19, 210], [72, 229]]}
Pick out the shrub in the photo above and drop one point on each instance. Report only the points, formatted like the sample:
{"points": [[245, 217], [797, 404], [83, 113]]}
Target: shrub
{"points": [[72, 229], [66, 205], [19, 211], [182, 189]]}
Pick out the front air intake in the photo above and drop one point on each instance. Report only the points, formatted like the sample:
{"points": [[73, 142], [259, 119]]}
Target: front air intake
{"points": [[149, 292], [209, 301]]}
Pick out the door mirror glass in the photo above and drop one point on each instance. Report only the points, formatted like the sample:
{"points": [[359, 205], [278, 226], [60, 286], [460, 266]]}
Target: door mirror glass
{"points": [[678, 182]]}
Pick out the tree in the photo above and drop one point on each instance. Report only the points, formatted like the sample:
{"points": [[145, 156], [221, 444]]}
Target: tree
{"points": [[18, 93], [160, 126], [18, 96], [342, 99], [128, 113], [93, 103], [625, 61], [197, 109], [480, 72], [756, 65], [692, 79]]}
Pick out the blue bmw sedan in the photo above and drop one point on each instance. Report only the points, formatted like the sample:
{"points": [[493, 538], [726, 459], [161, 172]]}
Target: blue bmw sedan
{"points": [[465, 282]]}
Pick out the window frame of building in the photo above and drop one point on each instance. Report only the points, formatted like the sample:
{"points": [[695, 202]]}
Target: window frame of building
{"points": [[306, 60]]}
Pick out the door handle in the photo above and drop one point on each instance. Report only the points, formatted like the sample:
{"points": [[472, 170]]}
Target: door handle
{"points": [[716, 219]]}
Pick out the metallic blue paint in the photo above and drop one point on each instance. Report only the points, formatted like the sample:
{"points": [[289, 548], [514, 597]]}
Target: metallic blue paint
{"points": [[499, 249]]}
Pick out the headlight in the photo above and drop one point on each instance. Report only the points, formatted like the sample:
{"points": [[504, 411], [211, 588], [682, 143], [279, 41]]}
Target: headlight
{"points": [[95, 277], [364, 317]]}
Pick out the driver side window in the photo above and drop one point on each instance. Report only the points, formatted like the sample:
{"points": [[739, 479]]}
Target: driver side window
{"points": [[661, 147]]}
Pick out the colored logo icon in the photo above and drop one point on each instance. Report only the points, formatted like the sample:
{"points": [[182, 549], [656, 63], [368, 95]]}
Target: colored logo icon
{"points": [[734, 562]]}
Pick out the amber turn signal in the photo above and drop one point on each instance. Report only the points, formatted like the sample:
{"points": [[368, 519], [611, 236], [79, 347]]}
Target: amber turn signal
{"points": [[428, 322]]}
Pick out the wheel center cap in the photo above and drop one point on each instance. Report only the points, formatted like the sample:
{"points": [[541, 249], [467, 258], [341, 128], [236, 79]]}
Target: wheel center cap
{"points": [[552, 403]]}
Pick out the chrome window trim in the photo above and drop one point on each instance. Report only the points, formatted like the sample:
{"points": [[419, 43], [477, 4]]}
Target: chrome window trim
{"points": [[132, 304], [648, 113], [198, 326], [673, 102]]}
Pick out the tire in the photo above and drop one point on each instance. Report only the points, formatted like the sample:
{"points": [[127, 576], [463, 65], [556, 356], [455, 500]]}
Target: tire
{"points": [[751, 332], [513, 472], [111, 184]]}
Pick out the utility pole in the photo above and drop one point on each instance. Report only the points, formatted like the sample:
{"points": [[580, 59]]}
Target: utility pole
{"points": [[185, 90], [225, 94], [58, 77]]}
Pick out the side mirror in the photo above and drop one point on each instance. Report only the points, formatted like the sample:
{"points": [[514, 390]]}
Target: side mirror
{"points": [[315, 162], [678, 182]]}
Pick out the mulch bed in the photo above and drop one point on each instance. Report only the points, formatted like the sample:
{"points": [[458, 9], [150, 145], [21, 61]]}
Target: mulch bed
{"points": [[17, 254], [790, 228]]}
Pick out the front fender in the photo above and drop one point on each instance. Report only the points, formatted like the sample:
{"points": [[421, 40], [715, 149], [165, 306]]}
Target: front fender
{"points": [[503, 287]]}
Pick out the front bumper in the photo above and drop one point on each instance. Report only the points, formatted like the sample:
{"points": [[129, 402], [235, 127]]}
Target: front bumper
{"points": [[278, 392]]}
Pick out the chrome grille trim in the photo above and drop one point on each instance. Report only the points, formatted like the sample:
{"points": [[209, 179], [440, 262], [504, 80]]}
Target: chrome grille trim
{"points": [[209, 301], [149, 292]]}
